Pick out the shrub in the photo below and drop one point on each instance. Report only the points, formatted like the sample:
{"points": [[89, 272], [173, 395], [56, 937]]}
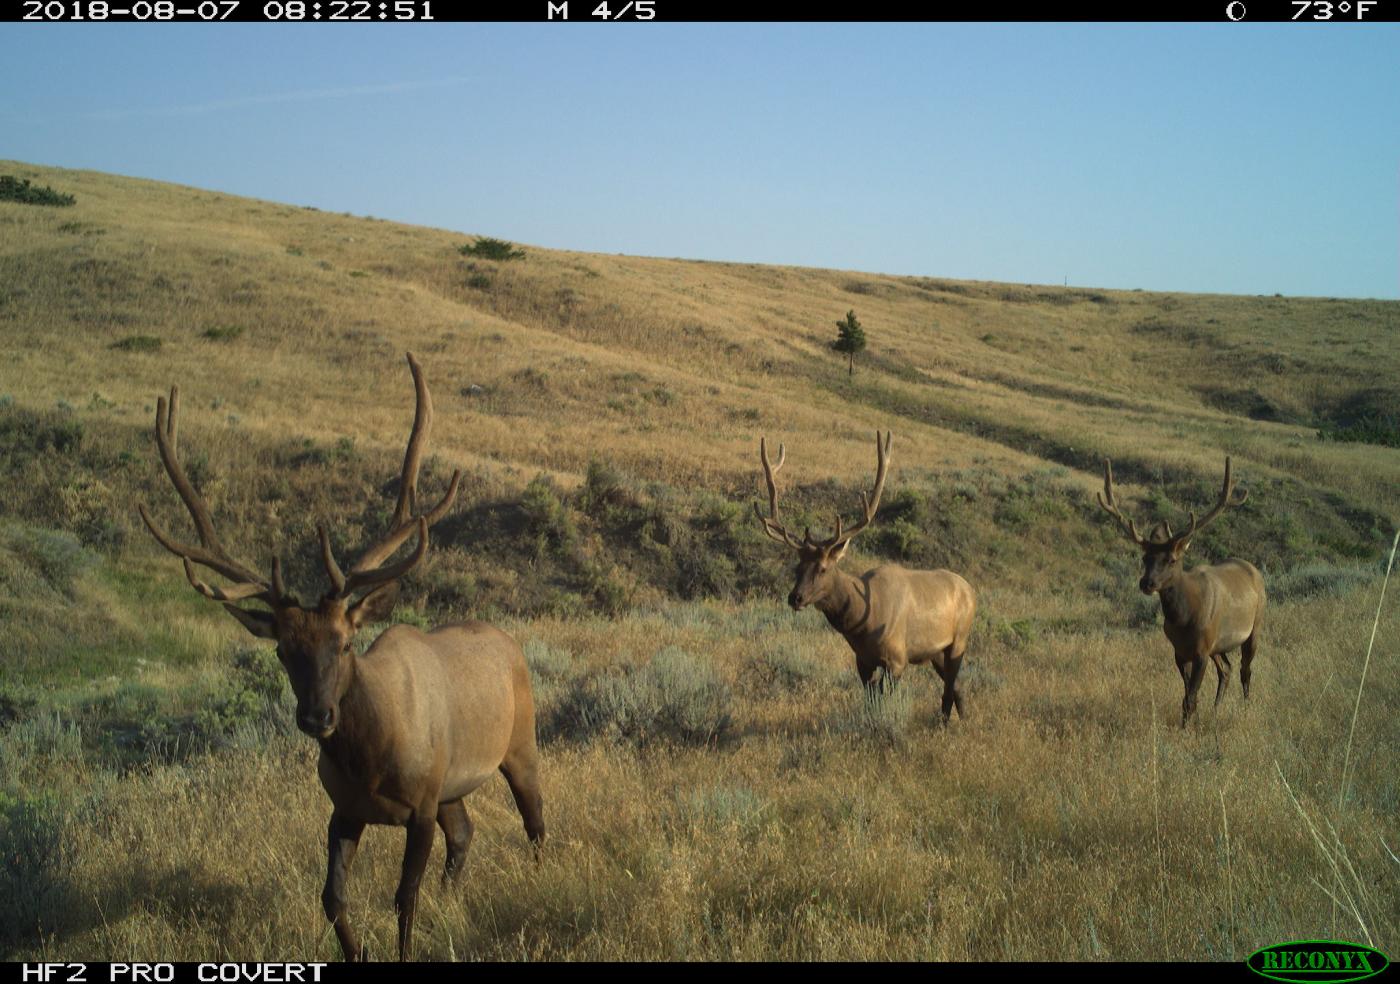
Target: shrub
{"points": [[604, 488], [24, 432], [608, 592], [313, 454], [901, 539], [702, 570], [223, 333], [138, 343], [879, 717], [546, 662], [547, 519], [55, 556], [1316, 580], [491, 249], [732, 807], [785, 667], [479, 281], [33, 862], [14, 189], [1379, 428], [675, 698]]}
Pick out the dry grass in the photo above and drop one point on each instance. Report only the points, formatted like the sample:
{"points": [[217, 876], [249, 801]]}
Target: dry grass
{"points": [[1067, 817], [1026, 832]]}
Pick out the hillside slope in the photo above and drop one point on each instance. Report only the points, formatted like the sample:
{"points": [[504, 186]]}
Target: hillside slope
{"points": [[716, 783]]}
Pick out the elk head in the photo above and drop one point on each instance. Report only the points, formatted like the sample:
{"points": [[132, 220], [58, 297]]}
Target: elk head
{"points": [[313, 643], [1162, 550], [817, 559]]}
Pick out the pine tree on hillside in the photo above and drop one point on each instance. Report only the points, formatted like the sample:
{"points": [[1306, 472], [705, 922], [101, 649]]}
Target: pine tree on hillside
{"points": [[851, 340]]}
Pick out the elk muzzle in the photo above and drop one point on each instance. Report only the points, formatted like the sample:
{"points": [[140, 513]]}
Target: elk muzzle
{"points": [[319, 722]]}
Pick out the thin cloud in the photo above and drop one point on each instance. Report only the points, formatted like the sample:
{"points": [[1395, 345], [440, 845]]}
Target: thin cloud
{"points": [[301, 95]]}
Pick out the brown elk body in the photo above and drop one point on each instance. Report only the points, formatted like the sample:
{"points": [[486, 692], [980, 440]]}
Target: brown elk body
{"points": [[410, 727], [891, 617], [1208, 611]]}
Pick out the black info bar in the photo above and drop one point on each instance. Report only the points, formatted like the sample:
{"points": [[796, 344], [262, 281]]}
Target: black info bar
{"points": [[679, 11], [178, 972]]}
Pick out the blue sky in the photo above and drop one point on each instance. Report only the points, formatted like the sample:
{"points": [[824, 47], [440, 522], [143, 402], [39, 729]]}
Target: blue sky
{"points": [[1226, 158]]}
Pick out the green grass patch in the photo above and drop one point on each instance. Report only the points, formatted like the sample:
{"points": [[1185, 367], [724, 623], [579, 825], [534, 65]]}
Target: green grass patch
{"points": [[138, 343]]}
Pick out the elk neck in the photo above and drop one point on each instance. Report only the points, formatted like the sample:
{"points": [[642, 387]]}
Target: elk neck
{"points": [[357, 727], [846, 604], [1180, 598]]}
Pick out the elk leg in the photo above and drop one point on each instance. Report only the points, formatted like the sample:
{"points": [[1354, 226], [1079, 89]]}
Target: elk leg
{"points": [[951, 695], [1188, 703], [1247, 657], [342, 840], [522, 775], [1222, 677], [870, 675], [457, 827], [415, 859]]}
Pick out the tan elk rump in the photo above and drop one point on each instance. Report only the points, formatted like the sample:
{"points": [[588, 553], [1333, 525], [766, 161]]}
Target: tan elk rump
{"points": [[1208, 611], [891, 617], [409, 728]]}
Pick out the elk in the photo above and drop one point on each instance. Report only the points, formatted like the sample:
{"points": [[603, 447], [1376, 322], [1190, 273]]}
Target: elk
{"points": [[410, 727], [1208, 611], [890, 617]]}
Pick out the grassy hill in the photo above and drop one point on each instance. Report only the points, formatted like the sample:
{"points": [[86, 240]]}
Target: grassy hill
{"points": [[606, 411]]}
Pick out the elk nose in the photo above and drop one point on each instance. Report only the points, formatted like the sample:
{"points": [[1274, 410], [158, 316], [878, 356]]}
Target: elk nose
{"points": [[794, 601], [1144, 586], [318, 723]]}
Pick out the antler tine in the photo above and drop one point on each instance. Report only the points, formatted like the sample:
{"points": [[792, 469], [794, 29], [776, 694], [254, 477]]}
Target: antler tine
{"points": [[236, 593], [165, 444], [211, 553], [1110, 506], [771, 525], [1223, 503], [333, 571], [368, 578], [417, 438], [385, 548], [869, 501], [367, 570]]}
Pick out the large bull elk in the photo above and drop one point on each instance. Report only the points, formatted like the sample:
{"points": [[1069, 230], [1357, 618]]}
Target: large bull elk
{"points": [[410, 727], [891, 617], [1208, 611]]}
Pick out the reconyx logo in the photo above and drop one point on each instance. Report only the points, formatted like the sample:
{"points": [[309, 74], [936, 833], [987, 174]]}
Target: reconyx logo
{"points": [[1310, 961]]}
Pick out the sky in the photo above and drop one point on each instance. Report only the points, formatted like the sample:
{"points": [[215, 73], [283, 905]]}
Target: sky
{"points": [[1230, 158]]}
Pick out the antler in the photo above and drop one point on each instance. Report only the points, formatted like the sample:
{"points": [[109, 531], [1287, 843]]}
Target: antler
{"points": [[771, 526], [367, 570], [1110, 506], [1223, 503], [211, 553], [870, 501]]}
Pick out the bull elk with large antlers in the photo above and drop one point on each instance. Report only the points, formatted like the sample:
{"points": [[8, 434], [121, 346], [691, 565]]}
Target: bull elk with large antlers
{"points": [[890, 617], [410, 727], [1207, 611]]}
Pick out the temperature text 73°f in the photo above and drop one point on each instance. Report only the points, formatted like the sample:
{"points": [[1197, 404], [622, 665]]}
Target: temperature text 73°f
{"points": [[1323, 10]]}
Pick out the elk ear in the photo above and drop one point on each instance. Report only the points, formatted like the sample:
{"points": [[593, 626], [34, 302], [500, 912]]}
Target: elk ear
{"points": [[376, 606], [1179, 549], [837, 552], [260, 623]]}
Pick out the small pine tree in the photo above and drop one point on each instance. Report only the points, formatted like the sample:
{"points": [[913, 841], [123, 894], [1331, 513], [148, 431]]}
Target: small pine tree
{"points": [[850, 341]]}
